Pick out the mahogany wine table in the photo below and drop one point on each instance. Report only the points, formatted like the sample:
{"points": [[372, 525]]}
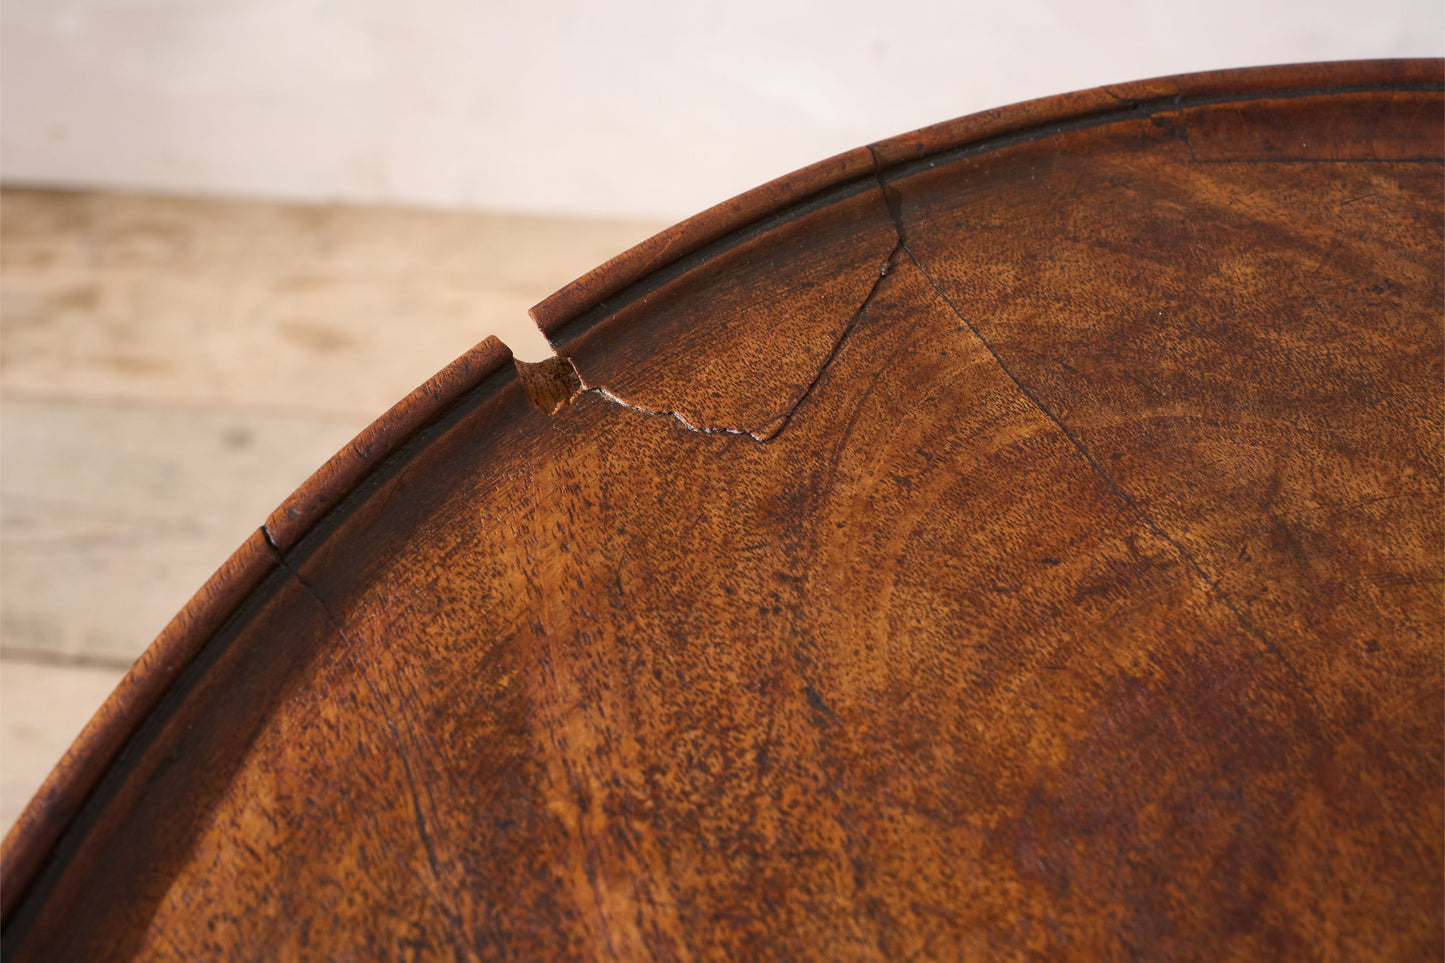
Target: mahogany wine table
{"points": [[1021, 538]]}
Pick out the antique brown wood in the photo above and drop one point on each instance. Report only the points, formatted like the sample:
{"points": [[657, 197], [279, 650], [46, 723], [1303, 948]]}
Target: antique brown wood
{"points": [[1021, 538]]}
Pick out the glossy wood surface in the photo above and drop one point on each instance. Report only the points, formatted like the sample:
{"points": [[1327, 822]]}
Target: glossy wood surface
{"points": [[1018, 539]]}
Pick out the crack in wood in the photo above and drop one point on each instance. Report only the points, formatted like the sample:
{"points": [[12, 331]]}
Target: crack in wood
{"points": [[552, 384], [896, 213], [457, 933]]}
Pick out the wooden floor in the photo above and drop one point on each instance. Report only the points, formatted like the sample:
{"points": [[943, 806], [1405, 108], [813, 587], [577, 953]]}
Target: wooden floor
{"points": [[170, 369]]}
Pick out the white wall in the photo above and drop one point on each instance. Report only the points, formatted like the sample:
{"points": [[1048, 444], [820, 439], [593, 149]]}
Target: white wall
{"points": [[643, 109]]}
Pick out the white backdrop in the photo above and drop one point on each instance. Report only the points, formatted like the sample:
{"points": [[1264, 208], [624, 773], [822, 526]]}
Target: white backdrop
{"points": [[643, 109]]}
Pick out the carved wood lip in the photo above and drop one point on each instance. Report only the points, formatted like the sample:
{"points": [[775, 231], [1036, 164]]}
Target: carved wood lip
{"points": [[1036, 117], [33, 838]]}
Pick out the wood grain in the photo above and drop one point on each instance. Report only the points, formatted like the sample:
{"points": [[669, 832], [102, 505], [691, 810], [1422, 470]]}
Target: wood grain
{"points": [[156, 405], [173, 367], [1028, 548]]}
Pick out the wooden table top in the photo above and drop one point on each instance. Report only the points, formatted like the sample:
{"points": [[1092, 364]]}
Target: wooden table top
{"points": [[1017, 539]]}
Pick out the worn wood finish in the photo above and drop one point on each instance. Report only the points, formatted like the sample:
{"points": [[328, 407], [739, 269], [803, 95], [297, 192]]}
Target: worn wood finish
{"points": [[1026, 544]]}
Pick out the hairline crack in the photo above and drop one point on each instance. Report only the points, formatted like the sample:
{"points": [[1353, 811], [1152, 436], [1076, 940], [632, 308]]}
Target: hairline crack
{"points": [[774, 425], [456, 931], [895, 211]]}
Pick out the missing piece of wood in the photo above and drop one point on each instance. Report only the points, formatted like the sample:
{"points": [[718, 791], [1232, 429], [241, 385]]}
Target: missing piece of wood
{"points": [[549, 384]]}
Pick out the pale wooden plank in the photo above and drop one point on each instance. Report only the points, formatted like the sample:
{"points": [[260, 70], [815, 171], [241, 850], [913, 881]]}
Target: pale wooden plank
{"points": [[326, 310], [111, 516], [46, 706]]}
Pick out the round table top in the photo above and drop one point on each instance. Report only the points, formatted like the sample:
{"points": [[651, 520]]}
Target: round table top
{"points": [[1020, 538]]}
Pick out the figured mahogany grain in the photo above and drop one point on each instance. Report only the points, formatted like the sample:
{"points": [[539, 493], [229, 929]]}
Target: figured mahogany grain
{"points": [[1023, 542]]}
